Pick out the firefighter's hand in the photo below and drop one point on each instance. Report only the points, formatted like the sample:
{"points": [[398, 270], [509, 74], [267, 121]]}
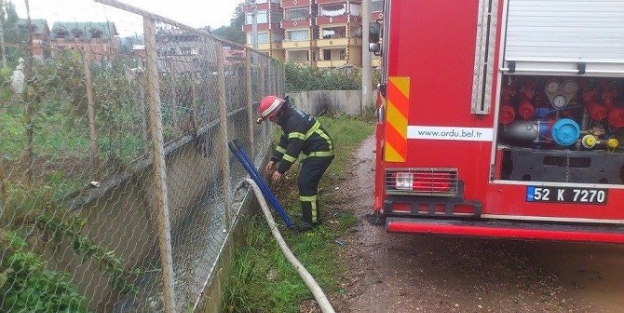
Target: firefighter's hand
{"points": [[276, 177], [270, 168]]}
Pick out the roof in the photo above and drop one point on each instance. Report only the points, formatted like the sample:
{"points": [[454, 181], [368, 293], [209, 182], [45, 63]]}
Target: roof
{"points": [[83, 30], [39, 26]]}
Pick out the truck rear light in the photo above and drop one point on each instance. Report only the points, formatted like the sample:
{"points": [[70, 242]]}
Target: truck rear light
{"points": [[419, 181]]}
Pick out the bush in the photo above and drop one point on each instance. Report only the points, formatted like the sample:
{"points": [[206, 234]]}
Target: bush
{"points": [[27, 286], [305, 78]]}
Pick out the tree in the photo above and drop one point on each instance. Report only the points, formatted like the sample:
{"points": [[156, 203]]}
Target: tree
{"points": [[12, 36], [234, 32], [8, 20]]}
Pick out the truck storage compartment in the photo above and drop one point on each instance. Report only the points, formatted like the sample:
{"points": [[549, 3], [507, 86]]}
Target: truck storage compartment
{"points": [[561, 129]]}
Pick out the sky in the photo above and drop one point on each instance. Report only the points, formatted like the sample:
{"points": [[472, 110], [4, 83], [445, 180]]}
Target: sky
{"points": [[194, 13]]}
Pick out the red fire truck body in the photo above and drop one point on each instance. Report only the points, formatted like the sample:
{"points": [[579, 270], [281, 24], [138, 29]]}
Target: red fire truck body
{"points": [[502, 118]]}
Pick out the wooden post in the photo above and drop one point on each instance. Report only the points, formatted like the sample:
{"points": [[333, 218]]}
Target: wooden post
{"points": [[261, 80], [159, 170], [174, 94], [193, 115], [250, 107], [3, 195], [223, 133], [91, 116], [141, 81]]}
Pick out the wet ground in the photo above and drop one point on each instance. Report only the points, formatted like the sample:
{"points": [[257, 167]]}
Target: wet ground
{"points": [[420, 273]]}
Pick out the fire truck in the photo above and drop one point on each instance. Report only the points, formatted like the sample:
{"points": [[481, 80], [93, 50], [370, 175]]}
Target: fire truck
{"points": [[501, 118]]}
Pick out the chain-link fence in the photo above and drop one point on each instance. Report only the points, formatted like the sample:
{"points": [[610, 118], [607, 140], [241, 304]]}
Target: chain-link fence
{"points": [[116, 183]]}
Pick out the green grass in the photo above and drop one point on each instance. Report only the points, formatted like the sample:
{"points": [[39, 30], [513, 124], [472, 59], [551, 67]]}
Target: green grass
{"points": [[262, 279]]}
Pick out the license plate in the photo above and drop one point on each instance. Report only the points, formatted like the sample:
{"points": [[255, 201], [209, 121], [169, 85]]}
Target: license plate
{"points": [[566, 195]]}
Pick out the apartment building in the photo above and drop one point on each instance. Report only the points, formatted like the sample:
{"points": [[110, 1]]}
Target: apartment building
{"points": [[320, 33], [97, 38], [40, 36], [377, 15], [266, 15], [340, 33], [300, 31]]}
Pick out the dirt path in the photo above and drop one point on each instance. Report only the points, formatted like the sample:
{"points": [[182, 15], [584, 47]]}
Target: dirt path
{"points": [[418, 273]]}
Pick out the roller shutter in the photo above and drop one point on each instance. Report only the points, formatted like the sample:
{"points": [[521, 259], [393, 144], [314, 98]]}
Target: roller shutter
{"points": [[565, 37]]}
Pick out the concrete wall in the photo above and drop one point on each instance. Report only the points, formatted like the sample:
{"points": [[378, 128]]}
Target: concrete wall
{"points": [[318, 102], [121, 214]]}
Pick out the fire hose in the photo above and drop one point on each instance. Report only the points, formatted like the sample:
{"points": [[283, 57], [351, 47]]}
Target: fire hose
{"points": [[245, 161], [261, 194]]}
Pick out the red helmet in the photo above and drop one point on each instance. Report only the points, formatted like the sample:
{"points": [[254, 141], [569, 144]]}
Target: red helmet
{"points": [[269, 106]]}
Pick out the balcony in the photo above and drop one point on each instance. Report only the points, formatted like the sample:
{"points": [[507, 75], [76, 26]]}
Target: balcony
{"points": [[299, 45], [326, 20], [377, 16], [321, 2], [337, 42], [270, 46], [295, 3], [248, 28], [297, 23]]}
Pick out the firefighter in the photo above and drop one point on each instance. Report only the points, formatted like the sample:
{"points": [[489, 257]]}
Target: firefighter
{"points": [[302, 135]]}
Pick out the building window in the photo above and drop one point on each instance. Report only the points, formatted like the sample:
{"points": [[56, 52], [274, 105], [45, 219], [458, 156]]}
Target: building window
{"points": [[61, 33], [261, 18], [298, 35], [276, 17], [96, 33], [327, 55], [77, 33], [277, 37], [262, 38], [333, 32], [376, 5], [296, 14]]}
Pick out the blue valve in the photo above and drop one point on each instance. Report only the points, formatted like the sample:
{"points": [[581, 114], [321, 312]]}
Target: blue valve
{"points": [[565, 132]]}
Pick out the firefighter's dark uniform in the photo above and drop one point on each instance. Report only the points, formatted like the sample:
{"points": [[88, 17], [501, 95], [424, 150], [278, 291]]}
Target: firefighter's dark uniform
{"points": [[303, 135]]}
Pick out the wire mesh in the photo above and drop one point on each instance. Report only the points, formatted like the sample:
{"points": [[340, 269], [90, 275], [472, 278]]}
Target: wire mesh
{"points": [[81, 206]]}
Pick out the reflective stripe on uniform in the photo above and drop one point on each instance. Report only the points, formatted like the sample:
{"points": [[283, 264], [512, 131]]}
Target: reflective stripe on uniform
{"points": [[295, 135], [321, 154], [289, 158], [312, 200]]}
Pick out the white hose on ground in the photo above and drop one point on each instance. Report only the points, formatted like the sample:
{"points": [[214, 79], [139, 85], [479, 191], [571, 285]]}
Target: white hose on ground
{"points": [[316, 290]]}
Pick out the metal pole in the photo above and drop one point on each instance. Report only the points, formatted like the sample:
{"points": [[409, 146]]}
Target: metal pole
{"points": [[367, 80], [160, 175]]}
